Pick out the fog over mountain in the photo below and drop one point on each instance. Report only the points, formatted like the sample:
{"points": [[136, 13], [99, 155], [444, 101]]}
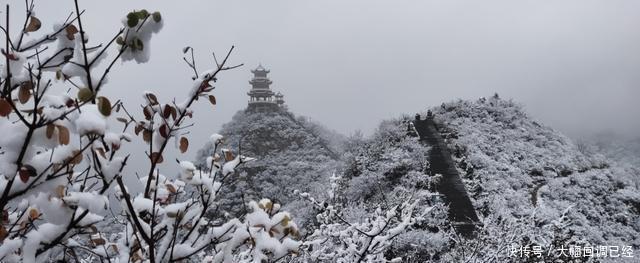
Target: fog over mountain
{"points": [[337, 131], [349, 64]]}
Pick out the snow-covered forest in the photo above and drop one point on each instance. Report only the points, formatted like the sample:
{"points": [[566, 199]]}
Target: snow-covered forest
{"points": [[275, 186]]}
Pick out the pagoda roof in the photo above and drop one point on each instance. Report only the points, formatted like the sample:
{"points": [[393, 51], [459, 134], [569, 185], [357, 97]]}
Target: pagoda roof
{"points": [[260, 68], [260, 92], [260, 80]]}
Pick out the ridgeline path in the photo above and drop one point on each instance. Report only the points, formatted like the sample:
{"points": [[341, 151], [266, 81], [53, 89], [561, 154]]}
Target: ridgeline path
{"points": [[461, 212]]}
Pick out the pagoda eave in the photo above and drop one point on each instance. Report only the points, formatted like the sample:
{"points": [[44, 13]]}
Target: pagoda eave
{"points": [[260, 81]]}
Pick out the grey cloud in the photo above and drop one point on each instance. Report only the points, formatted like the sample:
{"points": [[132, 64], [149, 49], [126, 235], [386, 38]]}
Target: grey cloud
{"points": [[349, 64]]}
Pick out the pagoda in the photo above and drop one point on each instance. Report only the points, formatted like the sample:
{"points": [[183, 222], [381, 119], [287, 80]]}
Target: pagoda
{"points": [[261, 97], [280, 100]]}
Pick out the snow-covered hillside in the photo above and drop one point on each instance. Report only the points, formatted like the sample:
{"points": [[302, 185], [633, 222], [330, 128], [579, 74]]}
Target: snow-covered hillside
{"points": [[291, 155], [386, 169], [530, 185], [534, 185]]}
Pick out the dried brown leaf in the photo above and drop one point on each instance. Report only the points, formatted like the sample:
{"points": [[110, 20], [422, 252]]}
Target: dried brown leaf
{"points": [[5, 216], [76, 157], [184, 144], [156, 157], [71, 31], [5, 108], [228, 156], [3, 233], [171, 188], [98, 241], [24, 93], [164, 131], [34, 25], [152, 98], [26, 172], [174, 113], [166, 112], [50, 129], [85, 94], [146, 135], [148, 112], [60, 191], [33, 213], [63, 135], [104, 106], [70, 103]]}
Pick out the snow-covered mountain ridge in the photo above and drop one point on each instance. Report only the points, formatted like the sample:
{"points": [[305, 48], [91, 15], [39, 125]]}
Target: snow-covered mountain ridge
{"points": [[519, 170], [529, 184]]}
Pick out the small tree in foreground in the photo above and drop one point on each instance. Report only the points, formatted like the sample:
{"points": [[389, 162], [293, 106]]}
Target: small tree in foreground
{"points": [[60, 160], [60, 157]]}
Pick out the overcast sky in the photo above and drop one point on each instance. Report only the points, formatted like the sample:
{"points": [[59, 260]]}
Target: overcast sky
{"points": [[349, 64]]}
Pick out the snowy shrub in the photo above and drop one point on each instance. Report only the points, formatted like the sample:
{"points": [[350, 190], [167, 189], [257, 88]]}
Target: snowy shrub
{"points": [[386, 170], [60, 159], [364, 239]]}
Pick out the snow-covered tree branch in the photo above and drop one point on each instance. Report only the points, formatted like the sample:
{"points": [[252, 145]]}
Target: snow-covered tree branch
{"points": [[60, 158]]}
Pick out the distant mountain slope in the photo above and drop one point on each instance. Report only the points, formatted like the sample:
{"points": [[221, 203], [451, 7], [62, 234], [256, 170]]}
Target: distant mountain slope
{"points": [[389, 162], [521, 173], [292, 155], [619, 148]]}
